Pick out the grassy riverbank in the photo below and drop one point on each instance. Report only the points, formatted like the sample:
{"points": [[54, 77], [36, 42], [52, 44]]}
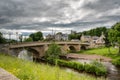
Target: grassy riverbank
{"points": [[33, 71], [108, 52]]}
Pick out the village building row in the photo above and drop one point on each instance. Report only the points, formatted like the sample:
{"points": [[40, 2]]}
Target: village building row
{"points": [[94, 41], [57, 37]]}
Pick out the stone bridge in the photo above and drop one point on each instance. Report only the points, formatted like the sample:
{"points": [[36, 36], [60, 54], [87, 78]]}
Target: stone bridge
{"points": [[38, 49]]}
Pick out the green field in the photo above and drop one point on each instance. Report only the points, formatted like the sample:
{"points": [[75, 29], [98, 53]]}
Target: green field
{"points": [[101, 51], [25, 70]]}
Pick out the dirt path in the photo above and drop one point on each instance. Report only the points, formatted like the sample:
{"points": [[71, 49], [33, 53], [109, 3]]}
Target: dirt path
{"points": [[88, 57], [4, 75]]}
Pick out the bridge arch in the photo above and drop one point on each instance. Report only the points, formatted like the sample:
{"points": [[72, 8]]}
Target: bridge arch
{"points": [[72, 49], [34, 52], [83, 47], [28, 53]]}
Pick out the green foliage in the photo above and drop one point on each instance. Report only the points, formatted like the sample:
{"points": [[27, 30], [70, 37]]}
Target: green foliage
{"points": [[89, 68], [28, 40], [94, 68], [74, 36], [71, 64], [53, 51], [36, 36], [101, 51], [95, 31], [99, 68], [116, 61], [2, 40], [114, 35], [25, 70]]}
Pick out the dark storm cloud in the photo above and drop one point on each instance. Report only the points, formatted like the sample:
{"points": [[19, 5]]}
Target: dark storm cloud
{"points": [[43, 14]]}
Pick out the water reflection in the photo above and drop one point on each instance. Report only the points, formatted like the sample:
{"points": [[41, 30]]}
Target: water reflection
{"points": [[25, 55]]}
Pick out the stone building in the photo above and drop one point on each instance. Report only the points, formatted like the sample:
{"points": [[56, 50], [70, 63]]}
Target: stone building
{"points": [[50, 37], [94, 41], [57, 37]]}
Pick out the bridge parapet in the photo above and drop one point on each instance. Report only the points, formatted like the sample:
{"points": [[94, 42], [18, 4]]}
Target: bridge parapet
{"points": [[27, 44], [41, 47]]}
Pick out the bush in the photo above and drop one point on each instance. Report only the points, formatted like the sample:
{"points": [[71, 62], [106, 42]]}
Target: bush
{"points": [[94, 68], [53, 52], [100, 69], [78, 66], [89, 68], [116, 62]]}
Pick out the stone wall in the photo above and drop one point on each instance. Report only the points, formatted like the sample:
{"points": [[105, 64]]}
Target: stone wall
{"points": [[4, 48]]}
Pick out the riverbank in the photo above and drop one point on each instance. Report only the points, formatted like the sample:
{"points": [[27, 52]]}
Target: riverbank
{"points": [[113, 59], [88, 57], [26, 70]]}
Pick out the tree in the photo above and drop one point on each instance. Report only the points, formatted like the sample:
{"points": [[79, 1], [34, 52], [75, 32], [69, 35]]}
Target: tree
{"points": [[28, 40], [74, 36], [53, 52], [36, 36], [2, 40], [95, 31], [107, 42], [114, 35]]}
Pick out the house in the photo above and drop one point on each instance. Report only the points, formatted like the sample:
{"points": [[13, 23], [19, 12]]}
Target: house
{"points": [[94, 41], [50, 37], [61, 37], [85, 39], [57, 37]]}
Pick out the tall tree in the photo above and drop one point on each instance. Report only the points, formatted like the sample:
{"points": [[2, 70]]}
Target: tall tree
{"points": [[114, 35], [36, 36], [2, 40]]}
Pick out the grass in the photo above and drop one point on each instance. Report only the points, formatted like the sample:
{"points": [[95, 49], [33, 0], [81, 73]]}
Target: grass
{"points": [[26, 70], [113, 54], [102, 51]]}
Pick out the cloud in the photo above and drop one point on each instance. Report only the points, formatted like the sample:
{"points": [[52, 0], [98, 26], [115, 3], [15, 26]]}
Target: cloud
{"points": [[43, 15]]}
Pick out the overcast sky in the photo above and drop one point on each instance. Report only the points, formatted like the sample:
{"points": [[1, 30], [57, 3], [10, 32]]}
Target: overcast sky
{"points": [[59, 15]]}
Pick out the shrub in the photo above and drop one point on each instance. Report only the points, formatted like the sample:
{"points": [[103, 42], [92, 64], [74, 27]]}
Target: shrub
{"points": [[116, 61], [100, 69], [95, 67], [89, 68], [53, 52], [78, 66]]}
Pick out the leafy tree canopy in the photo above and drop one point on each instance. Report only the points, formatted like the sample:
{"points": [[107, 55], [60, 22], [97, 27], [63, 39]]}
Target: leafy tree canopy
{"points": [[114, 34], [2, 39], [36, 36], [74, 36], [96, 31], [28, 40]]}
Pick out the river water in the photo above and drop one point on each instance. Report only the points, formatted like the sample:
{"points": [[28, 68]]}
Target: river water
{"points": [[25, 55]]}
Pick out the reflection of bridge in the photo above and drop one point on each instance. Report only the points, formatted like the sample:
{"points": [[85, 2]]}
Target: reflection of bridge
{"points": [[39, 48]]}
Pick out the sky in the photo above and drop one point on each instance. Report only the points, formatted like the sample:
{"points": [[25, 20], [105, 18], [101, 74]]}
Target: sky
{"points": [[26, 16]]}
